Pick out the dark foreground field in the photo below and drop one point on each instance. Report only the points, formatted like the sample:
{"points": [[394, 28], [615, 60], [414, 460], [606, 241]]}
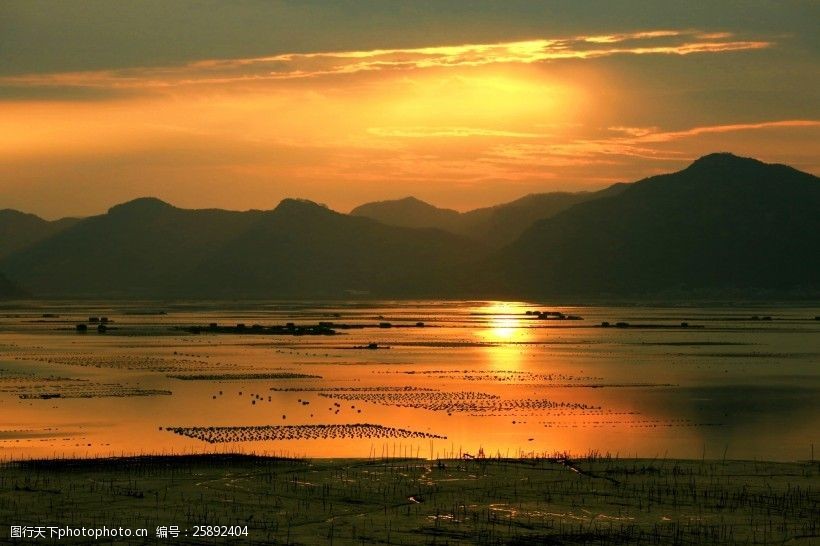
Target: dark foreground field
{"points": [[481, 501]]}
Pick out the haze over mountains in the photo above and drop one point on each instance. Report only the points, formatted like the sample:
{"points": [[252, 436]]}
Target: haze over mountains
{"points": [[723, 226]]}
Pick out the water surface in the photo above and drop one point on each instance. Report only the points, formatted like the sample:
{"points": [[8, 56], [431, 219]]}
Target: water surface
{"points": [[476, 377]]}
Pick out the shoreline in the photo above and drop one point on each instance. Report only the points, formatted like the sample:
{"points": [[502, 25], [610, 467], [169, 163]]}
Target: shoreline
{"points": [[239, 456], [601, 500]]}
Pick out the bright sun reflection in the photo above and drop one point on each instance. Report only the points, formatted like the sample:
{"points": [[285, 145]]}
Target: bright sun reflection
{"points": [[508, 330], [504, 329]]}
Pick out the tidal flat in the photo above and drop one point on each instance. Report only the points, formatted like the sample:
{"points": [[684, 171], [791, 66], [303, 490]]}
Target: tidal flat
{"points": [[555, 500]]}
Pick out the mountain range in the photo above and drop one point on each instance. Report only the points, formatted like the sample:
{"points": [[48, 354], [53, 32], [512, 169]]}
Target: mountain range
{"points": [[148, 248], [724, 226]]}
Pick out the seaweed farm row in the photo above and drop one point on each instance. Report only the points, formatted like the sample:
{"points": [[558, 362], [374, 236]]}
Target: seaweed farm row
{"points": [[462, 401], [214, 435]]}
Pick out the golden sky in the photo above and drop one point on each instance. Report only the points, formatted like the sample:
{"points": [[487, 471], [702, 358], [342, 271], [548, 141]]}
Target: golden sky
{"points": [[385, 103]]}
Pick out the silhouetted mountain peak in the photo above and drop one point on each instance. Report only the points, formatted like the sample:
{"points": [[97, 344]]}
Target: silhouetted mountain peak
{"points": [[727, 172], [297, 206], [13, 213], [414, 201], [409, 203], [408, 212], [723, 161], [141, 205]]}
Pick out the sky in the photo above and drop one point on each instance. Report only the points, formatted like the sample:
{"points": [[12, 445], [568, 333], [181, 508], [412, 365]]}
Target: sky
{"points": [[463, 104]]}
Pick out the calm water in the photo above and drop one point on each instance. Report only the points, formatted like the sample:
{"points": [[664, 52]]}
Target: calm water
{"points": [[482, 374]]}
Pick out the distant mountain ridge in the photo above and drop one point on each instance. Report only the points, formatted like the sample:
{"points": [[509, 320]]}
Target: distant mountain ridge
{"points": [[312, 251], [725, 226], [496, 225], [148, 248]]}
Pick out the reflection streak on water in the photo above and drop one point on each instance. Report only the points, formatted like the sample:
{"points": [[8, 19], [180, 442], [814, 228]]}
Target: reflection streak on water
{"points": [[509, 327]]}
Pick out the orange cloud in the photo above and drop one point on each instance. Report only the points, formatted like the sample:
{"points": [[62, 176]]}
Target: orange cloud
{"points": [[695, 131], [615, 38], [292, 66], [635, 142], [449, 132]]}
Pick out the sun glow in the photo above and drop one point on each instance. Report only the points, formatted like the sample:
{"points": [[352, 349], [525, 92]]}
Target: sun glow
{"points": [[493, 99], [507, 334], [505, 329]]}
